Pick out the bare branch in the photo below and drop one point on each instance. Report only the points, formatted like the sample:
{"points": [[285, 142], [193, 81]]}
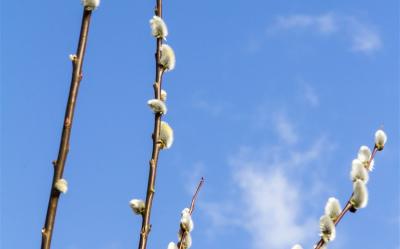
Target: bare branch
{"points": [[59, 164]]}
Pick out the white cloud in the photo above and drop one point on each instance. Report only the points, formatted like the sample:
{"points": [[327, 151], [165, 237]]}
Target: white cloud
{"points": [[325, 23], [363, 38], [285, 129], [273, 209], [270, 203]]}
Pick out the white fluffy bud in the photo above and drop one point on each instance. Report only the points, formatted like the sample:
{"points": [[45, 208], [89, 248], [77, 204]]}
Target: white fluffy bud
{"points": [[166, 135], [358, 171], [158, 27], [172, 245], [186, 240], [186, 220], [327, 228], [61, 185], [360, 195], [364, 154], [91, 4], [332, 208], [157, 106], [138, 206], [167, 59], [297, 246], [163, 96], [380, 139]]}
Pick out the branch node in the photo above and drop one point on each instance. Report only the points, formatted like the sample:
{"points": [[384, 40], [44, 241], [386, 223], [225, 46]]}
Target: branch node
{"points": [[67, 123], [146, 230], [73, 58]]}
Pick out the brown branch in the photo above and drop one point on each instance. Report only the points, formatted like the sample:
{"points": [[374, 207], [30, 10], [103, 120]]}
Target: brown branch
{"points": [[146, 226], [59, 164], [180, 243], [348, 207]]}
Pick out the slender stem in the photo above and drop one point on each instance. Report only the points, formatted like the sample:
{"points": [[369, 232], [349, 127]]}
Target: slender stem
{"points": [[192, 204], [348, 206], [195, 195], [59, 164], [145, 230]]}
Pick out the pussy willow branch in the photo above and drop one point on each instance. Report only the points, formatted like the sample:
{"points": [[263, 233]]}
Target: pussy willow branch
{"points": [[192, 204], [348, 207], [145, 230], [59, 164]]}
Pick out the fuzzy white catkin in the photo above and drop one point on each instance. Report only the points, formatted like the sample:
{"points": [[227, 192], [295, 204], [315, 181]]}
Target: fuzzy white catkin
{"points": [[358, 171], [380, 139], [163, 96], [61, 185], [297, 246], [172, 245], [327, 228], [364, 154], [137, 206], [332, 208], [91, 4], [187, 241], [158, 27], [166, 135], [167, 59], [186, 220], [157, 106], [360, 195]]}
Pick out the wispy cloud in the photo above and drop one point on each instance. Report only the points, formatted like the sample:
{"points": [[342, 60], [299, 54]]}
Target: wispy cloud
{"points": [[325, 23], [363, 37], [273, 208], [285, 129], [270, 202]]}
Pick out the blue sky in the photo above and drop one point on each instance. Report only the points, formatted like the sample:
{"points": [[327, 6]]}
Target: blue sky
{"points": [[270, 101]]}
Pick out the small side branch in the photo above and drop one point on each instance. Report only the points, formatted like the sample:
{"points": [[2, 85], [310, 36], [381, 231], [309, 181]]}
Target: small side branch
{"points": [[59, 164], [195, 195], [191, 210]]}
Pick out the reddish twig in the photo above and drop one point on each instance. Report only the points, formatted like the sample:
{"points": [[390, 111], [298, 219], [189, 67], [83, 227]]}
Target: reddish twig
{"points": [[59, 164], [192, 204]]}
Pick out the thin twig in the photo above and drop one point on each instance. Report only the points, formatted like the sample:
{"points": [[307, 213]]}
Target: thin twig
{"points": [[192, 204], [348, 207], [195, 195], [59, 164], [145, 230]]}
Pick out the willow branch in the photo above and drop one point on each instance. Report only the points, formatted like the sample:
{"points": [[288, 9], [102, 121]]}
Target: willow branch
{"points": [[348, 207], [145, 230], [59, 164], [192, 204], [195, 195]]}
